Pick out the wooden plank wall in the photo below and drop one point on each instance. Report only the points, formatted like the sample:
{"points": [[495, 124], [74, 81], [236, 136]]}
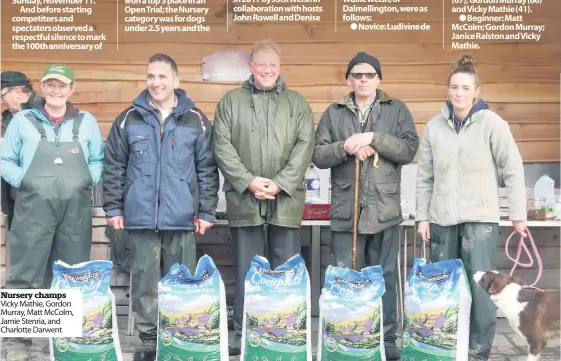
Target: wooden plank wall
{"points": [[520, 80]]}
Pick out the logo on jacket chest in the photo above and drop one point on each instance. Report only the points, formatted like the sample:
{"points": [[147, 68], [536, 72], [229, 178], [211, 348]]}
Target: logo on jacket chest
{"points": [[74, 150]]}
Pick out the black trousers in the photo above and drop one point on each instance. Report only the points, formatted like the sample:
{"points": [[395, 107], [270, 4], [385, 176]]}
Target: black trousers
{"points": [[283, 243]]}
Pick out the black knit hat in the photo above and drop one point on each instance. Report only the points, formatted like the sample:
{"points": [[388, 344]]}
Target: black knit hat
{"points": [[13, 78], [362, 57]]}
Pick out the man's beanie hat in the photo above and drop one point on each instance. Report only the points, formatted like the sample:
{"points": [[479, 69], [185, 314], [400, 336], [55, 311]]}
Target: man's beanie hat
{"points": [[13, 78], [362, 57]]}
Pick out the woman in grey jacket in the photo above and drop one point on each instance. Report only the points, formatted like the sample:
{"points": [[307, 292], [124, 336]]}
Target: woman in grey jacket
{"points": [[464, 151]]}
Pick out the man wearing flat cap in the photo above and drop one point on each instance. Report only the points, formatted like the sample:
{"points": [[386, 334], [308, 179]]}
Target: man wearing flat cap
{"points": [[17, 94], [367, 121], [53, 154]]}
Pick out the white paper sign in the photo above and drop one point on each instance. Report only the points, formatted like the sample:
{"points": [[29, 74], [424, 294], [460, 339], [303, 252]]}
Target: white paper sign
{"points": [[41, 313]]}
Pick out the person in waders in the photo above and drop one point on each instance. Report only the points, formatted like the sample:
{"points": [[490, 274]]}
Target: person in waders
{"points": [[160, 183], [463, 150], [378, 130], [53, 155], [17, 94]]}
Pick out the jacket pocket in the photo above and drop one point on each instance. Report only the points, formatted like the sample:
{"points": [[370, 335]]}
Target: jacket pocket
{"points": [[177, 202], [389, 206], [183, 142], [138, 143], [289, 209], [242, 207], [139, 203], [341, 200]]}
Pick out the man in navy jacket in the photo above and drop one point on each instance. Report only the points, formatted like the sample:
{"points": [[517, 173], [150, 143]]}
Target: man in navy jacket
{"points": [[161, 184]]}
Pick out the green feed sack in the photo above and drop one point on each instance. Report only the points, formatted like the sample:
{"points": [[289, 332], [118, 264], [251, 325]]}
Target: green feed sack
{"points": [[100, 336], [351, 322], [276, 323], [437, 310], [193, 323]]}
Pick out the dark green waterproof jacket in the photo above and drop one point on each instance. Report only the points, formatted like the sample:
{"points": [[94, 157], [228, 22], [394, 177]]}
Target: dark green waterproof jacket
{"points": [[396, 141], [266, 134]]}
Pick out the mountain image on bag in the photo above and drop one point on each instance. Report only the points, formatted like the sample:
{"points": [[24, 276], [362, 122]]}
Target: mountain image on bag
{"points": [[276, 323], [351, 319], [192, 314], [437, 311], [100, 336]]}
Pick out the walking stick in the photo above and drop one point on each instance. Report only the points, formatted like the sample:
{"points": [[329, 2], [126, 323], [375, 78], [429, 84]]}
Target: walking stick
{"points": [[355, 206], [355, 209]]}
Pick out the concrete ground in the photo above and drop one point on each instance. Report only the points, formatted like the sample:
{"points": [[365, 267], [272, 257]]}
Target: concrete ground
{"points": [[507, 345]]}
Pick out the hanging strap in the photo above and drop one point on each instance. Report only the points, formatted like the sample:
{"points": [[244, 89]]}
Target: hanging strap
{"points": [[522, 246], [38, 125], [76, 122]]}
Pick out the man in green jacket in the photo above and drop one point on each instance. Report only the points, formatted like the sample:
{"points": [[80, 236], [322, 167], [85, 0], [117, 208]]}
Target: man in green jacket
{"points": [[367, 121], [264, 141], [17, 94]]}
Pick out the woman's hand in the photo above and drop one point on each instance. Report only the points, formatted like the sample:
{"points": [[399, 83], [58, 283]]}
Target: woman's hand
{"points": [[423, 228], [520, 227]]}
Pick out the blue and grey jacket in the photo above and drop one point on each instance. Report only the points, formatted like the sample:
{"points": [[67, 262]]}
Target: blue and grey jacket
{"points": [[160, 177]]}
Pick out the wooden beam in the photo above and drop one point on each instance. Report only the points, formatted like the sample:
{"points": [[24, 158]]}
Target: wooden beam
{"points": [[297, 53], [306, 74], [515, 113], [521, 132], [125, 91]]}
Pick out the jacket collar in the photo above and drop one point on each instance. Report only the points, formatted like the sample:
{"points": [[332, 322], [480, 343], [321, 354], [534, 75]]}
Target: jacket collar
{"points": [[142, 104], [383, 97], [447, 112]]}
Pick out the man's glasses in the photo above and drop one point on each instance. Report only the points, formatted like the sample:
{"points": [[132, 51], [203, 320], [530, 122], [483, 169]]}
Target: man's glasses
{"points": [[265, 67], [6, 93], [368, 75]]}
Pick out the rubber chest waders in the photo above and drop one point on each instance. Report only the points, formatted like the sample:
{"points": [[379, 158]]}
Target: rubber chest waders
{"points": [[52, 218]]}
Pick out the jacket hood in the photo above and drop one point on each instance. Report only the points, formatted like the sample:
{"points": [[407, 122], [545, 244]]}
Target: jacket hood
{"points": [[380, 94], [278, 87], [184, 103], [448, 113]]}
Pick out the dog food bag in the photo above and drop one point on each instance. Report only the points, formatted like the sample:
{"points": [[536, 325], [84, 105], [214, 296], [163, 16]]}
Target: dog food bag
{"points": [[193, 321], [100, 336], [351, 322], [276, 322], [437, 309]]}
